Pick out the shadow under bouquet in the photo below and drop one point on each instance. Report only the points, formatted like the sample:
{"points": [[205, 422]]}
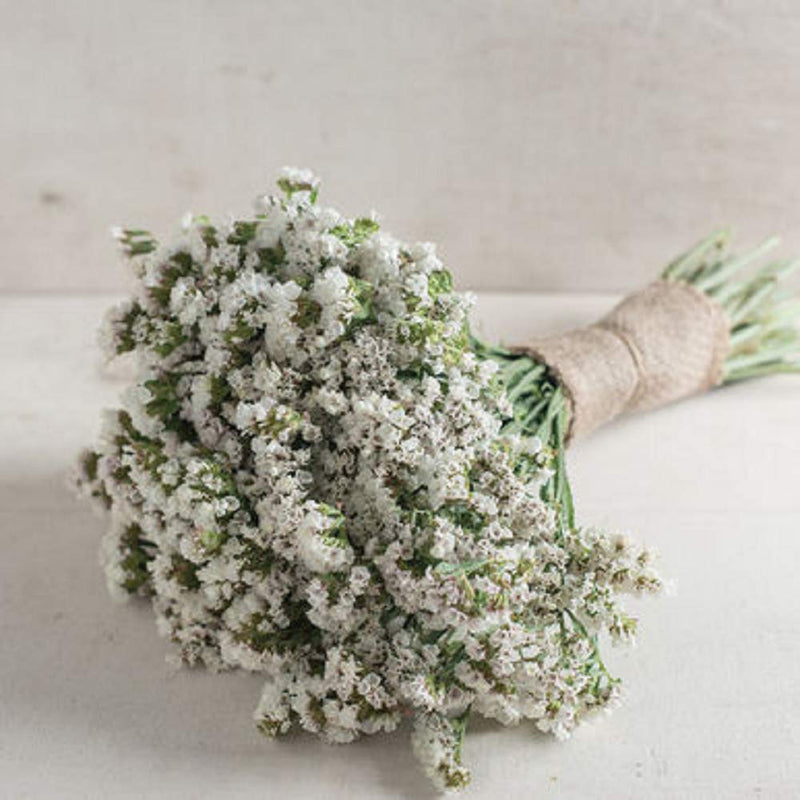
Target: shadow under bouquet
{"points": [[320, 475]]}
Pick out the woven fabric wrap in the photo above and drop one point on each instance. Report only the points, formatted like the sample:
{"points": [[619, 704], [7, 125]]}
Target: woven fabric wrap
{"points": [[658, 345]]}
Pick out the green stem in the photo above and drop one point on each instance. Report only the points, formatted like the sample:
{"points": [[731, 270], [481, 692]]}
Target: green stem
{"points": [[764, 330]]}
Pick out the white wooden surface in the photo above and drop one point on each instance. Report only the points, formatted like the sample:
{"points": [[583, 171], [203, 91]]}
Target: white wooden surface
{"points": [[89, 709], [569, 145]]}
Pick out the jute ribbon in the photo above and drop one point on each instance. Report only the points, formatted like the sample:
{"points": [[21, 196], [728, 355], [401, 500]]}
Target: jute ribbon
{"points": [[663, 343]]}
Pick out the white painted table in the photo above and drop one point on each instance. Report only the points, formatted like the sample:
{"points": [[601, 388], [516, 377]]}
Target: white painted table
{"points": [[89, 709]]}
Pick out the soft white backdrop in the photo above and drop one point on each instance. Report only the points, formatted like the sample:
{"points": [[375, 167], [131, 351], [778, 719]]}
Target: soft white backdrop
{"points": [[559, 146], [569, 145]]}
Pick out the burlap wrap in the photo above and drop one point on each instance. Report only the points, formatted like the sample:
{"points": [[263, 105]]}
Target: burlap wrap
{"points": [[658, 345]]}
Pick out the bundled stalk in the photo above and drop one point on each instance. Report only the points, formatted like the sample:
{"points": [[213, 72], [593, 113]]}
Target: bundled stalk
{"points": [[320, 476], [754, 333]]}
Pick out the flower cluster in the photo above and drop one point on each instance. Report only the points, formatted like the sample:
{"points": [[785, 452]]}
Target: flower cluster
{"points": [[311, 479]]}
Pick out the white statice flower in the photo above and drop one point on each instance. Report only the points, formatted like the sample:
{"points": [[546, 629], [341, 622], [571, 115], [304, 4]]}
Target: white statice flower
{"points": [[319, 547], [437, 741], [313, 478]]}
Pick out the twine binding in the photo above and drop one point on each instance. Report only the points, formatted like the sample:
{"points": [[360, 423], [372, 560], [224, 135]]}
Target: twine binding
{"points": [[663, 343]]}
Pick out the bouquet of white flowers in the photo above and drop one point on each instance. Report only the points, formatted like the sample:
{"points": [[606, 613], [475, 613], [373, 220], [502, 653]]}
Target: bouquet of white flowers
{"points": [[321, 476]]}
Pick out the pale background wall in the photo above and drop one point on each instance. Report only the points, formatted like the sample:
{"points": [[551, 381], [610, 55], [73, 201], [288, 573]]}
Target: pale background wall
{"points": [[547, 145]]}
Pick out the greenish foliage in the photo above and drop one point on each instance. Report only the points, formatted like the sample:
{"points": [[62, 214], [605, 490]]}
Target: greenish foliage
{"points": [[357, 232], [308, 312], [362, 293], [136, 242], [126, 341], [165, 401], [137, 557], [763, 316], [291, 187], [440, 282], [180, 265], [244, 231], [271, 258], [185, 573]]}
